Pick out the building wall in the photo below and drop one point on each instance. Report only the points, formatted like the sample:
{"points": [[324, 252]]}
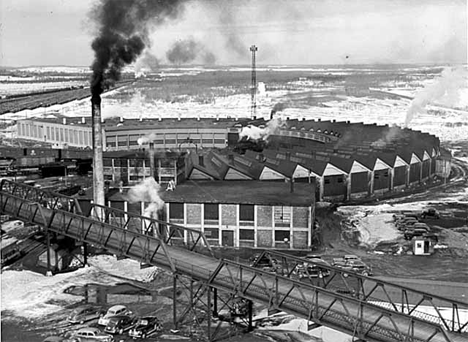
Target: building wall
{"points": [[268, 228], [426, 168], [132, 171], [359, 182], [167, 137], [415, 174], [334, 186], [55, 133], [399, 176], [381, 179]]}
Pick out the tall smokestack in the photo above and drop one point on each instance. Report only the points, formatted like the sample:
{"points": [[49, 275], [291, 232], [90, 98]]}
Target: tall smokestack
{"points": [[253, 86], [98, 168], [151, 158], [123, 34]]}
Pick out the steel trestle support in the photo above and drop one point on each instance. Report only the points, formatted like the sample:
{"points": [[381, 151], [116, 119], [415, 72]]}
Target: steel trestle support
{"points": [[377, 292], [203, 317], [366, 308]]}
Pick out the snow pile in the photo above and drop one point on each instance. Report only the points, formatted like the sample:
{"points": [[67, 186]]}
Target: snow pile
{"points": [[372, 222], [286, 323], [125, 268], [32, 295]]}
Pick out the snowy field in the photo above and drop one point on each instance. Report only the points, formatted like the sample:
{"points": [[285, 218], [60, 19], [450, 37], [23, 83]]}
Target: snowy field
{"points": [[435, 103]]}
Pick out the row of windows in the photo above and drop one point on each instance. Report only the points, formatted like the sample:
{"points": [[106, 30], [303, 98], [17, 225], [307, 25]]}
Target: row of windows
{"points": [[249, 234], [114, 141], [282, 215], [66, 135]]}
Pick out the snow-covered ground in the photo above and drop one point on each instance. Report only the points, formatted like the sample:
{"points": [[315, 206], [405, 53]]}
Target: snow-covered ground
{"points": [[32, 295], [446, 123]]}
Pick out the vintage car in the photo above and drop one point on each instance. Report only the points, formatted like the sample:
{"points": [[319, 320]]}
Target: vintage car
{"points": [[120, 324], [410, 233], [84, 314], [145, 327], [430, 212], [312, 268], [352, 263], [116, 310], [90, 334]]}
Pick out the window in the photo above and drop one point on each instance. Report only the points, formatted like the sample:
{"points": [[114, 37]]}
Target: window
{"points": [[176, 212], [282, 216], [212, 233], [246, 234], [282, 236], [327, 180], [136, 178], [340, 179], [211, 212], [246, 214]]}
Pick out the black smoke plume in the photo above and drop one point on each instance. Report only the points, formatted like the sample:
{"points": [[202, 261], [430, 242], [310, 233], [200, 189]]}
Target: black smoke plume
{"points": [[280, 106], [123, 34], [187, 50], [183, 51]]}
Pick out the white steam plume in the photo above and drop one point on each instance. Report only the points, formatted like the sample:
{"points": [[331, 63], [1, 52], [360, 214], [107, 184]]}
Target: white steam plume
{"points": [[146, 139], [147, 191], [390, 136], [445, 90], [257, 133]]}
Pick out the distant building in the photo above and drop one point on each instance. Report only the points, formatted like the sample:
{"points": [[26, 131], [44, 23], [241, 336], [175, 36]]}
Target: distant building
{"points": [[345, 160]]}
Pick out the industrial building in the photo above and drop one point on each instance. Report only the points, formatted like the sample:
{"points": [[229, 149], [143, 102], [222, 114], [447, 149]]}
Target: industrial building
{"points": [[236, 189]]}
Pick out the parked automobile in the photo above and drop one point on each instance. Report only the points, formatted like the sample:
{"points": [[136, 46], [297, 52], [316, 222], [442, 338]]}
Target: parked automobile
{"points": [[406, 221], [145, 327], [421, 225], [431, 213], [349, 257], [116, 310], [412, 232], [312, 269], [84, 314], [352, 263], [120, 324], [408, 224], [405, 215], [90, 334]]}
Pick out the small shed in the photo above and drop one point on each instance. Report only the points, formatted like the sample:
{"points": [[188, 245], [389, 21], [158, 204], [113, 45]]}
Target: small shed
{"points": [[423, 246]]}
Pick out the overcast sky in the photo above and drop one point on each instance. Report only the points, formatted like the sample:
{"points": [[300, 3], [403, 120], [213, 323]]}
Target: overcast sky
{"points": [[59, 32]]}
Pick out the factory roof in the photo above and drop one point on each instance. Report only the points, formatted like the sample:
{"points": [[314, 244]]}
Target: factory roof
{"points": [[228, 192], [242, 192]]}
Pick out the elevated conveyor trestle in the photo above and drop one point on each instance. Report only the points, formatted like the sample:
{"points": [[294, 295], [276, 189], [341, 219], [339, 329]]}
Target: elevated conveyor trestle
{"points": [[378, 292], [324, 307], [354, 313], [171, 234]]}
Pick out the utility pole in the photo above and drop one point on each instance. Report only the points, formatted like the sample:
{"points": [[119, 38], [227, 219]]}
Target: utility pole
{"points": [[253, 86]]}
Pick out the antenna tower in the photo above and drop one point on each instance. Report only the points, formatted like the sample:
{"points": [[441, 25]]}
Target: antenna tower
{"points": [[253, 86]]}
